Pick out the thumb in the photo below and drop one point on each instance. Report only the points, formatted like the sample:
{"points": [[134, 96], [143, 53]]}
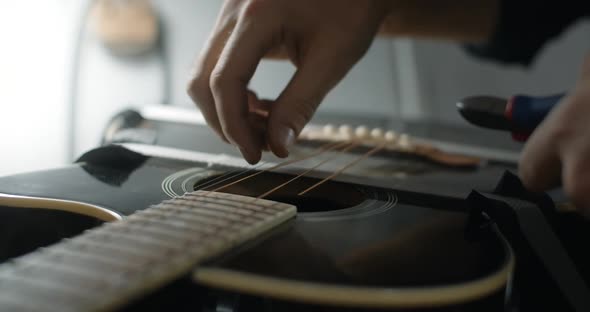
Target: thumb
{"points": [[296, 105], [289, 114]]}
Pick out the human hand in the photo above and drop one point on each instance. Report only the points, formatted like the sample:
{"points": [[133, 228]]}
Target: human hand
{"points": [[323, 39], [560, 147]]}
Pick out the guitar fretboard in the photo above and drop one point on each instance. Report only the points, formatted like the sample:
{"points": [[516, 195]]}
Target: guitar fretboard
{"points": [[109, 266]]}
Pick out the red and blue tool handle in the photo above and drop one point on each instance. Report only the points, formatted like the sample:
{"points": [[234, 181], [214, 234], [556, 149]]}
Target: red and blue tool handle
{"points": [[525, 113]]}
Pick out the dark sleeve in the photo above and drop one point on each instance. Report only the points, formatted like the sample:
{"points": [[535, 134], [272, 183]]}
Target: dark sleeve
{"points": [[524, 26]]}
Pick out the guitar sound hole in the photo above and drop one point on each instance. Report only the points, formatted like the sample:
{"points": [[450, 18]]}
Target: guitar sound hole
{"points": [[326, 197], [23, 230]]}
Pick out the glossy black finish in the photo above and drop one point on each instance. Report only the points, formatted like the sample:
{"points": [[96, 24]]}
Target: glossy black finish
{"points": [[346, 233], [408, 245], [343, 234]]}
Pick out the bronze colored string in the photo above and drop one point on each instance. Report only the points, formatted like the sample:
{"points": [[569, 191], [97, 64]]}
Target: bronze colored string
{"points": [[351, 146], [325, 148], [354, 162]]}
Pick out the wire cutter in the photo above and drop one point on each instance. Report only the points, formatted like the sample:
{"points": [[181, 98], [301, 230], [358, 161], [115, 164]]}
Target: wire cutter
{"points": [[520, 114]]}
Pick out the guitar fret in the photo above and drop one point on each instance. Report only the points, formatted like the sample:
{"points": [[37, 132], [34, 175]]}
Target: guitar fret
{"points": [[167, 215], [204, 229], [105, 267], [202, 218], [158, 251], [114, 250], [189, 229], [235, 200], [149, 228], [108, 257], [238, 199], [55, 290], [202, 202], [89, 277], [213, 215], [187, 241], [118, 239], [220, 207], [120, 233], [91, 261], [46, 275]]}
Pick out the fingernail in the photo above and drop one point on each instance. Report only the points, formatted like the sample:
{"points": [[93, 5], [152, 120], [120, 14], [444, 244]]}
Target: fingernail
{"points": [[286, 139], [250, 157]]}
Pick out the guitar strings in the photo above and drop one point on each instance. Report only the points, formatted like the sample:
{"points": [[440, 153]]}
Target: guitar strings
{"points": [[238, 172], [325, 148], [339, 171], [227, 176], [348, 145], [344, 150], [333, 175]]}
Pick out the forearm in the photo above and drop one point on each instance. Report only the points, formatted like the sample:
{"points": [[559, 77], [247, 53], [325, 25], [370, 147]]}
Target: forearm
{"points": [[459, 20]]}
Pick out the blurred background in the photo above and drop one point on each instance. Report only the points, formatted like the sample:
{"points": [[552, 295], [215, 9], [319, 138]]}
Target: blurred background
{"points": [[67, 66]]}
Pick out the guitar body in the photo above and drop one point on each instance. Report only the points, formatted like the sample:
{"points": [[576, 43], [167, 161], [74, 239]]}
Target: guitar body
{"points": [[399, 231], [351, 245]]}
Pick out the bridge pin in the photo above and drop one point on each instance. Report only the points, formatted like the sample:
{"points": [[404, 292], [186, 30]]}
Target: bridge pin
{"points": [[361, 132], [404, 141], [329, 129], [346, 132], [390, 136], [377, 134]]}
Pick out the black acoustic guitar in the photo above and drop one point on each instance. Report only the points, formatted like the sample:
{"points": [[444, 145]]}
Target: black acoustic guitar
{"points": [[128, 223]]}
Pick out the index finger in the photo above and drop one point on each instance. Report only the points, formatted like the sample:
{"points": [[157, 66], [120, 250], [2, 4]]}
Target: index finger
{"points": [[229, 83], [198, 88]]}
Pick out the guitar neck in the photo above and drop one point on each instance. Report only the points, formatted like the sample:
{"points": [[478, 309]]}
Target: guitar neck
{"points": [[109, 266]]}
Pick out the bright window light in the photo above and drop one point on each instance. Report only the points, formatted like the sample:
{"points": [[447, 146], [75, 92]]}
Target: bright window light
{"points": [[35, 48]]}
